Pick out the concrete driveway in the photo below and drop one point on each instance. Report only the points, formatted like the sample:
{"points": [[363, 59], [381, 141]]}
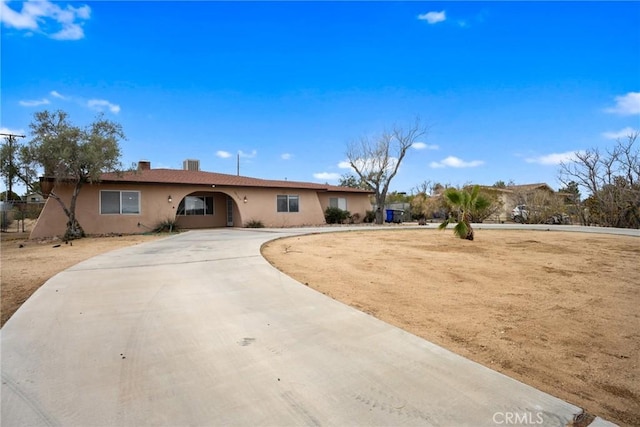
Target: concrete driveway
{"points": [[199, 330]]}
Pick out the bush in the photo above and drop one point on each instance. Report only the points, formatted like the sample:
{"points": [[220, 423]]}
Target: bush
{"points": [[370, 217], [169, 225], [254, 223], [336, 215]]}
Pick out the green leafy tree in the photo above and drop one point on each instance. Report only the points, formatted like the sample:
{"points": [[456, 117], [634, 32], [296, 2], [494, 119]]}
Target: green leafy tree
{"points": [[376, 161], [70, 155], [9, 161], [9, 195], [352, 181], [465, 202]]}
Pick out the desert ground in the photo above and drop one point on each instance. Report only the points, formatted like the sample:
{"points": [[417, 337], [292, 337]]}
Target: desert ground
{"points": [[27, 264], [554, 310]]}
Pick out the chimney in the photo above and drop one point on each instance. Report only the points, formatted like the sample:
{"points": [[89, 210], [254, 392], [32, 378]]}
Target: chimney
{"points": [[191, 165], [144, 165]]}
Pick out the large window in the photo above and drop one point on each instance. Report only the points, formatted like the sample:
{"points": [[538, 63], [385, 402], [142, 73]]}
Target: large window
{"points": [[196, 205], [287, 203], [338, 202], [119, 202]]}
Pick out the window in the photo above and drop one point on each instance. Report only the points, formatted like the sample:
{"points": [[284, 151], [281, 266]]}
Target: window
{"points": [[119, 202], [196, 205], [288, 203], [338, 202]]}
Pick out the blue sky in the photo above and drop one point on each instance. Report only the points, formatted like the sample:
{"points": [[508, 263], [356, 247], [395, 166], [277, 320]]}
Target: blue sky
{"points": [[507, 89]]}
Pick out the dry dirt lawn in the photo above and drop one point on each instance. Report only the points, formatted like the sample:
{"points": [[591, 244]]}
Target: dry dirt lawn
{"points": [[27, 264], [558, 311]]}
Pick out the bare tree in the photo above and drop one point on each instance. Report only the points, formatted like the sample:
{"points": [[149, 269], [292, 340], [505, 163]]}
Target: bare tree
{"points": [[612, 181], [425, 187], [377, 160]]}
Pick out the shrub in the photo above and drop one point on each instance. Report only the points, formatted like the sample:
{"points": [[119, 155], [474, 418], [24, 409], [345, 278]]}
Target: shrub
{"points": [[335, 215], [254, 223], [370, 216], [168, 225]]}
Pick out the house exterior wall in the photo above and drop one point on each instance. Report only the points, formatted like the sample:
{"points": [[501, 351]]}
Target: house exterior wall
{"points": [[357, 203], [261, 204]]}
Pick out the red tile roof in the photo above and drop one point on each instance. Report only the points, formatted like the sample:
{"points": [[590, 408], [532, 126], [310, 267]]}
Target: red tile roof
{"points": [[187, 177]]}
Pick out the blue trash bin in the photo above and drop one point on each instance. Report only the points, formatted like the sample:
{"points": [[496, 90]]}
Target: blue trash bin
{"points": [[389, 217]]}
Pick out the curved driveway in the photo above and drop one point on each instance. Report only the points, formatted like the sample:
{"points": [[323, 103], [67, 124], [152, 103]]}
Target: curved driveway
{"points": [[199, 330]]}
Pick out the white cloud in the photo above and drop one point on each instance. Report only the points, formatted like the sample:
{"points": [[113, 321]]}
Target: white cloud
{"points": [[57, 94], [327, 176], [433, 17], [626, 105], [223, 154], [250, 155], [553, 158], [101, 104], [423, 146], [48, 18], [286, 156], [455, 162], [12, 131], [34, 102], [622, 133]]}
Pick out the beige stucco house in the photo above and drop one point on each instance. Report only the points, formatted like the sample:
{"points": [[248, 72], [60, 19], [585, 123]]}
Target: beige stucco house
{"points": [[135, 202], [514, 195]]}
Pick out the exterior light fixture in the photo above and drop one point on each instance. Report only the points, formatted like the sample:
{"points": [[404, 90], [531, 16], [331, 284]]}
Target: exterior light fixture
{"points": [[245, 199], [169, 199]]}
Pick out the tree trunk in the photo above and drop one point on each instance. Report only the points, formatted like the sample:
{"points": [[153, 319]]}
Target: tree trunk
{"points": [[380, 209], [74, 229], [467, 222]]}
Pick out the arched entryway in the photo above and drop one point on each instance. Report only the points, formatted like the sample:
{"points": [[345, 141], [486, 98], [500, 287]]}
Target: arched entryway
{"points": [[207, 209]]}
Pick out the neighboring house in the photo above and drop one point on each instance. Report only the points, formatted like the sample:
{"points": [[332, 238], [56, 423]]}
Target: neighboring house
{"points": [[34, 198], [135, 202], [514, 195]]}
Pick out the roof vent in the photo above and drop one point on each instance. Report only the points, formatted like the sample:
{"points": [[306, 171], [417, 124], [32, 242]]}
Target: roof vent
{"points": [[191, 165]]}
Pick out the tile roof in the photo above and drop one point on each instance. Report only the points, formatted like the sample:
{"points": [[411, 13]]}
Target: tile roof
{"points": [[187, 177]]}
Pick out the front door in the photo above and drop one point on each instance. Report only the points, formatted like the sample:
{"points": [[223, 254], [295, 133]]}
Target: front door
{"points": [[229, 211]]}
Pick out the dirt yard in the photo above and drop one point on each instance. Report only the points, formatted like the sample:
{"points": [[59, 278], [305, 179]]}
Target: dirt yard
{"points": [[558, 311], [27, 264]]}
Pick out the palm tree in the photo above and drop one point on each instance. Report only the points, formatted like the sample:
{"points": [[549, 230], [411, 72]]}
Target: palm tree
{"points": [[466, 203]]}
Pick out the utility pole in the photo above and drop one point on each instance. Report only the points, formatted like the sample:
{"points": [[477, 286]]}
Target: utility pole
{"points": [[10, 137], [238, 165]]}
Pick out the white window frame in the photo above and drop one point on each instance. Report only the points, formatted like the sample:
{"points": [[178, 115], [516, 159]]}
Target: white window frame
{"points": [[338, 202], [290, 198], [120, 202]]}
